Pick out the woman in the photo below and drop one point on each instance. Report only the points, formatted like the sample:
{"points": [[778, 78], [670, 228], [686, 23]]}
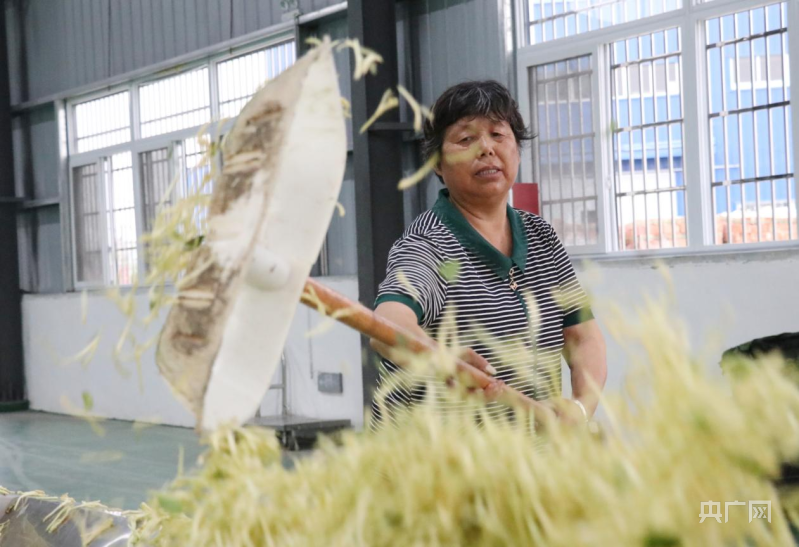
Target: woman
{"points": [[500, 274]]}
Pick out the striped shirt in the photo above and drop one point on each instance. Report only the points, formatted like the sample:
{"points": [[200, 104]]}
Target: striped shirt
{"points": [[510, 310]]}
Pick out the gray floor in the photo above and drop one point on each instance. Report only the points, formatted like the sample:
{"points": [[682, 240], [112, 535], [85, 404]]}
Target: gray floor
{"points": [[62, 454]]}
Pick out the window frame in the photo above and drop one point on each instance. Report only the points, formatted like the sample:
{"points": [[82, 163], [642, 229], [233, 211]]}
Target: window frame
{"points": [[138, 145], [598, 79], [103, 225], [690, 19]]}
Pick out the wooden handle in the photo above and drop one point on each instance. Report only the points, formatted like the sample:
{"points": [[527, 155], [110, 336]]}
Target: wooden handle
{"points": [[368, 323]]}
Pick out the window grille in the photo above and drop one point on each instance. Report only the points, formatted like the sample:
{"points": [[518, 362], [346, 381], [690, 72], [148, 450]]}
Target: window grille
{"points": [[240, 77], [554, 19], [748, 82], [564, 148], [175, 103], [647, 127], [87, 203], [121, 219], [103, 122]]}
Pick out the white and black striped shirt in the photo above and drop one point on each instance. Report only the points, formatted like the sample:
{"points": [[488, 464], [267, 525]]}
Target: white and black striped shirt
{"points": [[445, 271]]}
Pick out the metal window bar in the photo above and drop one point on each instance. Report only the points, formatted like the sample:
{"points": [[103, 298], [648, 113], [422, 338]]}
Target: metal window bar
{"points": [[754, 135], [642, 102], [577, 74], [724, 138], [656, 145], [581, 232], [670, 150], [109, 223], [652, 191], [787, 118], [758, 108], [746, 180], [626, 72], [617, 148], [568, 228], [747, 38], [767, 62]]}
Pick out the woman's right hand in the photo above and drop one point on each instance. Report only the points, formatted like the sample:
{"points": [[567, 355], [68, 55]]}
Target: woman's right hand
{"points": [[473, 358]]}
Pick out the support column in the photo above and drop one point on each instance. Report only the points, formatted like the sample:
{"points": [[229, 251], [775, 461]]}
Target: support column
{"points": [[376, 160], [12, 372]]}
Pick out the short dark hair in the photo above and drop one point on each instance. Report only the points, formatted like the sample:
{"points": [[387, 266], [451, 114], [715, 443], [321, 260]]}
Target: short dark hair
{"points": [[485, 98]]}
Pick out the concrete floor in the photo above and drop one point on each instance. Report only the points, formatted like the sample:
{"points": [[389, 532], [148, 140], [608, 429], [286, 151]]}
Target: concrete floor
{"points": [[62, 454]]}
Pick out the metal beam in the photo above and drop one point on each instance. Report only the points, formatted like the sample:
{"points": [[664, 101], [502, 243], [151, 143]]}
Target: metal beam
{"points": [[377, 161], [12, 372]]}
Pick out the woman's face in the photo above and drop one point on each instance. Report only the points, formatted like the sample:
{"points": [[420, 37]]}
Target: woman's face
{"points": [[480, 159]]}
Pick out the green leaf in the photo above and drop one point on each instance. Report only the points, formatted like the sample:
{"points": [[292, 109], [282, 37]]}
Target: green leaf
{"points": [[88, 401], [193, 243], [750, 465], [170, 505], [701, 422], [449, 270], [659, 539]]}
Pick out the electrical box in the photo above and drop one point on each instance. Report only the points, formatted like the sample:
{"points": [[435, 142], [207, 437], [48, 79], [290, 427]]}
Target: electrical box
{"points": [[331, 382]]}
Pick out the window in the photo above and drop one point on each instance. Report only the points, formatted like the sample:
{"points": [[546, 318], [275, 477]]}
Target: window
{"points": [[646, 102], [131, 147], [105, 227], [753, 190], [690, 145], [554, 19], [87, 207], [102, 122], [170, 173], [175, 103], [241, 76], [194, 172], [156, 178], [564, 148], [121, 219]]}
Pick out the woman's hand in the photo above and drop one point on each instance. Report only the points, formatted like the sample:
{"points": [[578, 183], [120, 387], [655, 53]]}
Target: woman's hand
{"points": [[566, 410], [495, 390], [473, 358]]}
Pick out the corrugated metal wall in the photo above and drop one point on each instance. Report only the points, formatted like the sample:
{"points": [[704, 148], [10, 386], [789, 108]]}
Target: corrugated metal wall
{"points": [[442, 43], [70, 43], [36, 173], [36, 163], [456, 40]]}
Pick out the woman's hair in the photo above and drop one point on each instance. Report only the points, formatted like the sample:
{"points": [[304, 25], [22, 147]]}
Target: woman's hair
{"points": [[486, 98]]}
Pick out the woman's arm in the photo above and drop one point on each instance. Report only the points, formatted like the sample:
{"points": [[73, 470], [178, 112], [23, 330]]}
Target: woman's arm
{"points": [[404, 317], [585, 353]]}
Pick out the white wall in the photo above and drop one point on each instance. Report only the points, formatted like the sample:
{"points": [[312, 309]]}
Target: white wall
{"points": [[53, 331], [724, 299], [733, 297]]}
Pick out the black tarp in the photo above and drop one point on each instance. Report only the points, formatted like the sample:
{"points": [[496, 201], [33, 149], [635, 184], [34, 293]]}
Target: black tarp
{"points": [[788, 345]]}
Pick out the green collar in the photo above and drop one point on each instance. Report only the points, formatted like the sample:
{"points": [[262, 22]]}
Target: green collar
{"points": [[472, 240]]}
